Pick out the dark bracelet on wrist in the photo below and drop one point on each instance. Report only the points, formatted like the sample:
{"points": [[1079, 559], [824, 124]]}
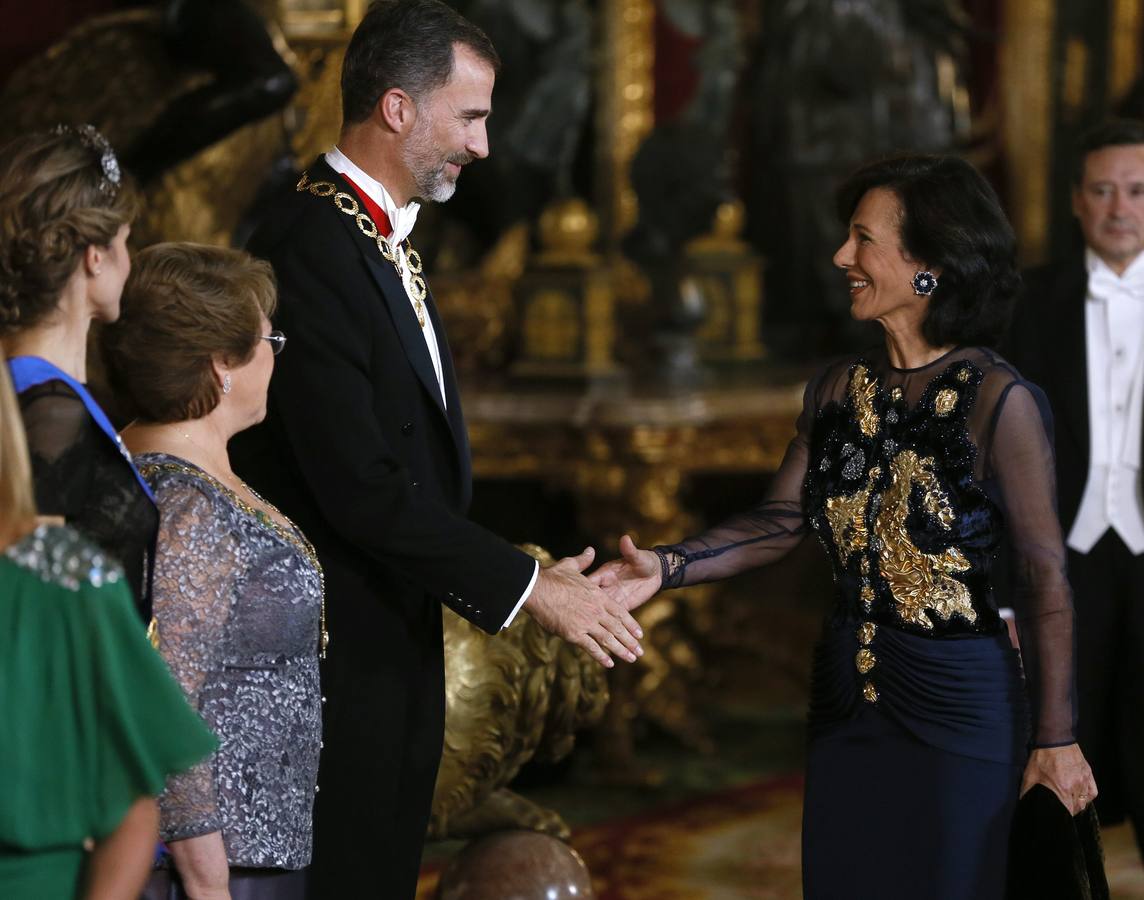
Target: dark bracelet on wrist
{"points": [[667, 578], [1052, 746]]}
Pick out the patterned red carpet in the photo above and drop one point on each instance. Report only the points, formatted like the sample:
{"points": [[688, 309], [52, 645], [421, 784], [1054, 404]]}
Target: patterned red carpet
{"points": [[741, 842], [737, 844], [725, 825]]}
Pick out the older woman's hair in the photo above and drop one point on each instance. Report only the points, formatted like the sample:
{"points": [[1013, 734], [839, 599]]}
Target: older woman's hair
{"points": [[950, 220], [17, 503], [56, 200], [184, 306]]}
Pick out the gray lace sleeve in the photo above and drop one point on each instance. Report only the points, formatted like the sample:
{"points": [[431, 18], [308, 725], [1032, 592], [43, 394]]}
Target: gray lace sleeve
{"points": [[196, 568]]}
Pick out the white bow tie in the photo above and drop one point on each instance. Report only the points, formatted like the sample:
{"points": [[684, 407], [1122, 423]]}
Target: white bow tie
{"points": [[1104, 284], [402, 219]]}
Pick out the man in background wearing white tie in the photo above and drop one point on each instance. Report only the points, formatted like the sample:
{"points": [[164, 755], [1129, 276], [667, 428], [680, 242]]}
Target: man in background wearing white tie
{"points": [[1079, 334]]}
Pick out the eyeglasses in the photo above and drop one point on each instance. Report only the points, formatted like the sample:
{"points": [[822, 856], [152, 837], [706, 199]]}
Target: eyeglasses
{"points": [[277, 341]]}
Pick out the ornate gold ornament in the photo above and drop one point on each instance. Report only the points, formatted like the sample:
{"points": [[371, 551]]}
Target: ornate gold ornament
{"points": [[847, 518], [727, 273], [866, 632], [919, 582], [864, 661], [518, 695], [868, 693], [628, 457], [348, 204], [945, 402], [862, 389], [1028, 62], [626, 113], [564, 301]]}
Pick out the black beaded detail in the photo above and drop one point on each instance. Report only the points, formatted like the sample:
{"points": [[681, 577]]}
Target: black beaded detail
{"points": [[900, 481]]}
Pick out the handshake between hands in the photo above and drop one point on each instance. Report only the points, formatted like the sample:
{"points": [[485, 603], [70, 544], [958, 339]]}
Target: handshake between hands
{"points": [[595, 611]]}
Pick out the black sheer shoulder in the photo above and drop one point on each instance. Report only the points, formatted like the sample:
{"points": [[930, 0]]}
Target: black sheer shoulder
{"points": [[80, 474], [64, 443], [55, 419]]}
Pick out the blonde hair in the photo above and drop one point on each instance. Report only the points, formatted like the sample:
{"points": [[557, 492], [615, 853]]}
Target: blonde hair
{"points": [[17, 503], [54, 204]]}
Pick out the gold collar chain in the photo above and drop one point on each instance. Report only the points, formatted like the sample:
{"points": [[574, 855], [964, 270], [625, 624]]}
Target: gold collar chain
{"points": [[348, 204]]}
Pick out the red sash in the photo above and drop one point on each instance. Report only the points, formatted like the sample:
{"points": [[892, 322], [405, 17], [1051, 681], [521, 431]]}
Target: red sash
{"points": [[380, 219]]}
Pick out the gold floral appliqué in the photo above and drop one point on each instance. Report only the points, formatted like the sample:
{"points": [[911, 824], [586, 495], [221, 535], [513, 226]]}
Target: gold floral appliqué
{"points": [[847, 518], [945, 402], [862, 389], [919, 581]]}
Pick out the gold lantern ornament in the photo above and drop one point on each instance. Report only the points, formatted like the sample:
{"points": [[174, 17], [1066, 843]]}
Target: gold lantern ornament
{"points": [[722, 268], [565, 304]]}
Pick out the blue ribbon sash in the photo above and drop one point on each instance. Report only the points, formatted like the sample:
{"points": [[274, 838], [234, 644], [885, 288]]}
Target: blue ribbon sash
{"points": [[29, 371]]}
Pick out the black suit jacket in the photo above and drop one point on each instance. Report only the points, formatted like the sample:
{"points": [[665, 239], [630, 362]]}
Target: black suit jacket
{"points": [[357, 445], [1048, 347], [360, 451]]}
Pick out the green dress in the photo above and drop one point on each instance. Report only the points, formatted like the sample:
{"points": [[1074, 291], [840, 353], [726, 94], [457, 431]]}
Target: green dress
{"points": [[90, 718]]}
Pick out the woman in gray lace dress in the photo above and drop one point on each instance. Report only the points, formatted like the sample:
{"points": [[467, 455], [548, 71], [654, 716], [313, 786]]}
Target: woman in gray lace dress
{"points": [[238, 589]]}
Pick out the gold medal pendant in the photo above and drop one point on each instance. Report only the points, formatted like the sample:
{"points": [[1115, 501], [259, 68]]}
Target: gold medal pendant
{"points": [[418, 290], [348, 204]]}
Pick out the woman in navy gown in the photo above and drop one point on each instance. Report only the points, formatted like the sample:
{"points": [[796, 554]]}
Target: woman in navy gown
{"points": [[913, 462]]}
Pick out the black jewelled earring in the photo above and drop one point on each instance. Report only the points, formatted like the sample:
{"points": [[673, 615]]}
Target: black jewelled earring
{"points": [[924, 283]]}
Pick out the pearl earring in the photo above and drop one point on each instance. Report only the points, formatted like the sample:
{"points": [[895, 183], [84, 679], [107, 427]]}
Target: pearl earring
{"points": [[226, 383]]}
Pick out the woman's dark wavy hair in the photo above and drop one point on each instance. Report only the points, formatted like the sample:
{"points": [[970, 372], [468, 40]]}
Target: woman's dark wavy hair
{"points": [[950, 219]]}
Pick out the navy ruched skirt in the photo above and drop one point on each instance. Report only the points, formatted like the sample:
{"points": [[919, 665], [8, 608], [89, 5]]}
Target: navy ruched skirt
{"points": [[910, 795]]}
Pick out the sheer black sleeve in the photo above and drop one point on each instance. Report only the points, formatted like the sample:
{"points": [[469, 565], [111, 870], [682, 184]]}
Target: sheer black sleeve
{"points": [[63, 444], [756, 537], [79, 474], [1021, 460]]}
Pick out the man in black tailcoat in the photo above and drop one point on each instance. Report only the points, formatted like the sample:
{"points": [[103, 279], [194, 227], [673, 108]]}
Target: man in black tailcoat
{"points": [[1079, 334], [365, 447]]}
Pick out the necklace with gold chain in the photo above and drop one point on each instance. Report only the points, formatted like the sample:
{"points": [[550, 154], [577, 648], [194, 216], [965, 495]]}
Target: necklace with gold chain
{"points": [[348, 204], [291, 534]]}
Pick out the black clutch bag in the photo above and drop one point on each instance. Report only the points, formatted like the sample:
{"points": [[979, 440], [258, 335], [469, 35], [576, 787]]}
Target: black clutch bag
{"points": [[1054, 855]]}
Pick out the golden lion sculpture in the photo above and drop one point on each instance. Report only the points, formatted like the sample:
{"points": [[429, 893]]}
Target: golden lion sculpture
{"points": [[515, 696]]}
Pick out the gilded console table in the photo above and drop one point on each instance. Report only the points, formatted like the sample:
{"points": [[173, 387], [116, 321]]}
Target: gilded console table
{"points": [[627, 454]]}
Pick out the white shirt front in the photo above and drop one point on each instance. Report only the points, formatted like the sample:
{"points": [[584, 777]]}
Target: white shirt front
{"points": [[1114, 341], [402, 219]]}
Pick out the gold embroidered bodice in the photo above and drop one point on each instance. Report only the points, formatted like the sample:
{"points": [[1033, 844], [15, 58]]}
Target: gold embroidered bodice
{"points": [[912, 480]]}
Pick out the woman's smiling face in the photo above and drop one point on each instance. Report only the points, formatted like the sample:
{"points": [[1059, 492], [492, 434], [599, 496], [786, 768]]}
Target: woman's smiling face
{"points": [[878, 268]]}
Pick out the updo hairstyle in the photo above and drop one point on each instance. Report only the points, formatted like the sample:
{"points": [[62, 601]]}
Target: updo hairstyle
{"points": [[56, 200]]}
